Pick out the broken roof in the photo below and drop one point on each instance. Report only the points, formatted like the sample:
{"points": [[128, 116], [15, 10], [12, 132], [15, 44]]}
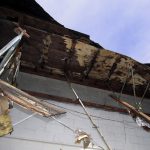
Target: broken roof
{"points": [[53, 49], [29, 7]]}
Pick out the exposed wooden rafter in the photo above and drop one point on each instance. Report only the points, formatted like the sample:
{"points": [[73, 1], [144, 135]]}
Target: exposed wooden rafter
{"points": [[69, 100], [131, 109]]}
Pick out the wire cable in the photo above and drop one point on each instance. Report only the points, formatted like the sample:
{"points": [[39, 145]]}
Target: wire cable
{"points": [[24, 119], [124, 84], [91, 120], [142, 99], [133, 86]]}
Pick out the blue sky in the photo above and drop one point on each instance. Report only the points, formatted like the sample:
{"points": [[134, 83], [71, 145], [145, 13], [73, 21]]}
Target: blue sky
{"points": [[122, 26]]}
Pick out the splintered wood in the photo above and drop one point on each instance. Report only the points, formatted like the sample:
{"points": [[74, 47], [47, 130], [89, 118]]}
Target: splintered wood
{"points": [[131, 109], [27, 101]]}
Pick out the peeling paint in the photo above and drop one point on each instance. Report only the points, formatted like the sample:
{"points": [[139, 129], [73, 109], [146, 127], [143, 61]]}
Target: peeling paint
{"points": [[68, 42], [104, 62], [84, 52], [47, 42], [59, 43], [138, 80], [123, 69]]}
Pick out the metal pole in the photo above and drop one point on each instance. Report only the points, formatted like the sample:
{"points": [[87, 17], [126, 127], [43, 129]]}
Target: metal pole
{"points": [[63, 124], [95, 126], [12, 43], [124, 84]]}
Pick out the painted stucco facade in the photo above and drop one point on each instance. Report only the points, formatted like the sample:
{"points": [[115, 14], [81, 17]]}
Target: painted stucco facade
{"points": [[120, 130]]}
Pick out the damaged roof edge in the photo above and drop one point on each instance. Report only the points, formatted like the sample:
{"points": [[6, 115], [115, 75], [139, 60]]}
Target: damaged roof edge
{"points": [[32, 8]]}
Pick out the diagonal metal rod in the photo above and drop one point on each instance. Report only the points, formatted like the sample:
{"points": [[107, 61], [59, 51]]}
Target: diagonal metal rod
{"points": [[11, 44], [10, 48], [90, 118], [133, 86], [124, 84], [63, 124]]}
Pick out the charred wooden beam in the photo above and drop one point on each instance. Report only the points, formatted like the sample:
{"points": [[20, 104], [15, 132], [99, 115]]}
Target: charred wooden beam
{"points": [[131, 109], [96, 83], [69, 100], [27, 101]]}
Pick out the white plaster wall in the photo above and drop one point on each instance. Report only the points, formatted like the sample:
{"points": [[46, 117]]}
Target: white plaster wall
{"points": [[120, 131], [56, 87]]}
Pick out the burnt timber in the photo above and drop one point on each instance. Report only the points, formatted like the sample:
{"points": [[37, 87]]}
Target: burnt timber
{"points": [[51, 45], [27, 101], [132, 109]]}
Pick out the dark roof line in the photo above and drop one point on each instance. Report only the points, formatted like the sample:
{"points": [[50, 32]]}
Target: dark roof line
{"points": [[30, 7]]}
